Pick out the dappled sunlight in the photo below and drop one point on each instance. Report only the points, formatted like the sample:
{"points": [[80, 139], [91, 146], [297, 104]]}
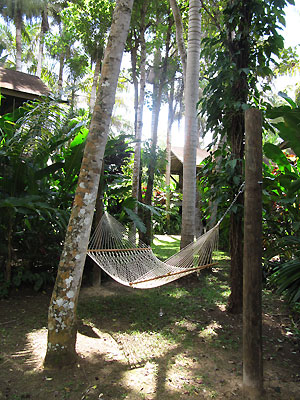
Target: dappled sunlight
{"points": [[210, 331], [158, 239], [187, 325], [34, 351], [178, 293], [141, 379], [140, 347]]}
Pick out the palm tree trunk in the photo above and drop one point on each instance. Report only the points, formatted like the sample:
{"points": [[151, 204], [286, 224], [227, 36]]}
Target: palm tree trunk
{"points": [[168, 151], [157, 97], [179, 34], [44, 29], [140, 109], [62, 310], [191, 126], [18, 25]]}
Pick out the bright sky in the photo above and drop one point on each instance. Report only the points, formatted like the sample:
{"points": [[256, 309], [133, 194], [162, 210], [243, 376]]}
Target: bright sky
{"points": [[291, 38]]}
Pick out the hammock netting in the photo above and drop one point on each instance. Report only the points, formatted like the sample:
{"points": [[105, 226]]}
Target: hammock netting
{"points": [[130, 262]]}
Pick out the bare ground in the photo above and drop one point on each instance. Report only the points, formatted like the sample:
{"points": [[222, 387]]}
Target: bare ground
{"points": [[114, 364]]}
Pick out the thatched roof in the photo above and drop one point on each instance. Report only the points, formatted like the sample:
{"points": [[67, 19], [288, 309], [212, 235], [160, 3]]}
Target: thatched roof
{"points": [[22, 85]]}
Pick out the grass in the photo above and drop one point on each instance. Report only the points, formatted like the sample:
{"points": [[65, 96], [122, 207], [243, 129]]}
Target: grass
{"points": [[175, 342], [179, 305], [165, 246]]}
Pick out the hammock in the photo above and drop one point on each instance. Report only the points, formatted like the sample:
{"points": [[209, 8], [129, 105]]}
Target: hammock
{"points": [[132, 263]]}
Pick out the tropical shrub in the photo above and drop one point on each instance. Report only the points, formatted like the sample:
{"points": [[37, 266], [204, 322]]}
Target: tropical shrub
{"points": [[35, 190], [282, 215]]}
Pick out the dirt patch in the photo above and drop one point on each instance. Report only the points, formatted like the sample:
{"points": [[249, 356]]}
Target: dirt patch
{"points": [[177, 356]]}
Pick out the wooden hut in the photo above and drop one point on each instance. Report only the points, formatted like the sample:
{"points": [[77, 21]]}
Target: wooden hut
{"points": [[17, 88]]}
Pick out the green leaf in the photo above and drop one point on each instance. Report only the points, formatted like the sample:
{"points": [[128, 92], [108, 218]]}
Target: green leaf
{"points": [[136, 220], [80, 138], [288, 99], [274, 153], [294, 187], [153, 209]]}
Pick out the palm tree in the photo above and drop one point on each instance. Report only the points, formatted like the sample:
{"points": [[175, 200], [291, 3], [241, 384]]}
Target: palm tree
{"points": [[191, 129], [15, 10]]}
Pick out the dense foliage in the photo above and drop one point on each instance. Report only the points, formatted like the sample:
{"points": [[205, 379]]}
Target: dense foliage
{"points": [[41, 144]]}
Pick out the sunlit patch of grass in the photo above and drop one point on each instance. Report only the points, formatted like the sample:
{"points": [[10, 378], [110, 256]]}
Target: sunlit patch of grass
{"points": [[221, 256], [177, 293], [210, 331], [164, 246]]}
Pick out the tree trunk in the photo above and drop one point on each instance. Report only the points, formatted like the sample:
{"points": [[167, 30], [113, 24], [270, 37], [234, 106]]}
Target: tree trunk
{"points": [[44, 29], [146, 237], [252, 317], [60, 73], [168, 151], [140, 109], [95, 82], [239, 53], [133, 54], [179, 34], [191, 126], [62, 311], [157, 97], [18, 23]]}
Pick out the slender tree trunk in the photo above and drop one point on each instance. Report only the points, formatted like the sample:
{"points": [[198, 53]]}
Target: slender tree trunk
{"points": [[147, 217], [252, 312], [191, 125], [62, 57], [40, 56], [18, 23], [168, 151], [133, 54], [44, 29], [239, 52], [62, 311], [60, 73], [140, 110], [95, 82], [179, 34], [157, 97]]}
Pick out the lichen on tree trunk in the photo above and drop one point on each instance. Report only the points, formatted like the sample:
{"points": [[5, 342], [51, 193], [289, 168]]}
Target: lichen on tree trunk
{"points": [[62, 311]]}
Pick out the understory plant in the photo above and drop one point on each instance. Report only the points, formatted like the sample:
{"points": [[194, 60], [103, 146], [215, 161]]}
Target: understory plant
{"points": [[282, 202], [38, 171]]}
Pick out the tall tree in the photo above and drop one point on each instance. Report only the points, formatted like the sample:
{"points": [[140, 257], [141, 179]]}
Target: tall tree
{"points": [[44, 29], [168, 150], [62, 311], [191, 96], [239, 51], [139, 96], [91, 31], [179, 34], [15, 10], [160, 70]]}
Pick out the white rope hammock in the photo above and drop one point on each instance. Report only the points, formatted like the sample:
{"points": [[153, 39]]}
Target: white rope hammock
{"points": [[132, 263]]}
